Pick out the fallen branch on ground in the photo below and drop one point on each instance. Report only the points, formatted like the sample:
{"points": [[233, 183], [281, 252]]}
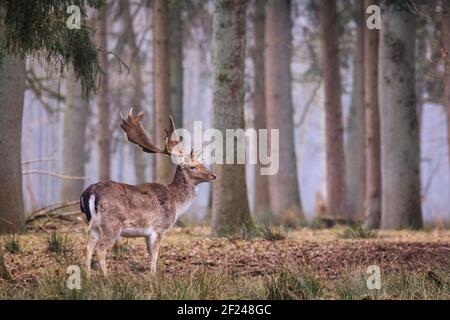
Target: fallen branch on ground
{"points": [[51, 210]]}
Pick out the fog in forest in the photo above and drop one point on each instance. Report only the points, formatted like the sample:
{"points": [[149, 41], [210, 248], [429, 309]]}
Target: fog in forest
{"points": [[44, 114]]}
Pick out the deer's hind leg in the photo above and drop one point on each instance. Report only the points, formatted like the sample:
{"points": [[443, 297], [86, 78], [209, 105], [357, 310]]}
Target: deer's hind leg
{"points": [[94, 238], [107, 240], [102, 250]]}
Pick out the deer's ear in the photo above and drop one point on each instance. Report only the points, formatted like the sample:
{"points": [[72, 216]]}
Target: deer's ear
{"points": [[140, 115]]}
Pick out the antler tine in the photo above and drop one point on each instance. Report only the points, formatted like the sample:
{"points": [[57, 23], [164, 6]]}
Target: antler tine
{"points": [[172, 128], [199, 152], [195, 155], [130, 114], [171, 143]]}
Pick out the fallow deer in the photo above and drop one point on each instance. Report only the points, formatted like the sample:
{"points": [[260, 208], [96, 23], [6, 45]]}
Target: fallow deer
{"points": [[148, 210]]}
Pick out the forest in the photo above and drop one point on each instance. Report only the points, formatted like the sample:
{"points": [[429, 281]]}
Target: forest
{"points": [[265, 149]]}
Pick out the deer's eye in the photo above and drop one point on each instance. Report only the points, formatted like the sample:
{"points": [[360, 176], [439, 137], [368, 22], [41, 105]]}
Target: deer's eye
{"points": [[193, 168]]}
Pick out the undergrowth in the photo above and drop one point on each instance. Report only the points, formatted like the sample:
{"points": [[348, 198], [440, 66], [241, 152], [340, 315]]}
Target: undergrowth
{"points": [[290, 282]]}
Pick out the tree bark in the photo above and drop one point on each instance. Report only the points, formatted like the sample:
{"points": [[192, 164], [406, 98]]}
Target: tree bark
{"points": [[422, 37], [261, 201], [176, 62], [161, 58], [355, 150], [103, 113], [445, 26], [231, 212], [400, 154], [335, 164], [12, 88], [136, 78], [285, 201], [372, 210], [76, 113]]}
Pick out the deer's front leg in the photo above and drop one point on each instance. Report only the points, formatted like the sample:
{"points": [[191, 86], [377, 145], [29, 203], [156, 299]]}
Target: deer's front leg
{"points": [[153, 241]]}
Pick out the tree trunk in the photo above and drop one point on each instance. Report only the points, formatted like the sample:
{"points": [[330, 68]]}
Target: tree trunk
{"points": [[372, 211], [355, 151], [285, 201], [176, 62], [422, 36], [446, 44], [335, 163], [261, 200], [12, 88], [400, 154], [161, 58], [76, 113], [230, 203], [103, 113], [136, 78]]}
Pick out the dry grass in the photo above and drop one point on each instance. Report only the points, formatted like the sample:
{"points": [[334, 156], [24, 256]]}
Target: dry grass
{"points": [[307, 264], [11, 244], [358, 232]]}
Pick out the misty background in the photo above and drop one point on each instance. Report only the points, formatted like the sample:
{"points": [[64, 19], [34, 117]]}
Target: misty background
{"points": [[43, 115]]}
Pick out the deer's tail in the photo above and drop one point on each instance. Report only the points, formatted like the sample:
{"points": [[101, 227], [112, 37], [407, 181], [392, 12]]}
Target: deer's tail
{"points": [[88, 205]]}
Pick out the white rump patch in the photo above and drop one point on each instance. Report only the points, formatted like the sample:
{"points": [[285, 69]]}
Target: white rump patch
{"points": [[92, 206]]}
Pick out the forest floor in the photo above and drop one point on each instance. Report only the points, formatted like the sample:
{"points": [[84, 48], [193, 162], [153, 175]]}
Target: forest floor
{"points": [[306, 264]]}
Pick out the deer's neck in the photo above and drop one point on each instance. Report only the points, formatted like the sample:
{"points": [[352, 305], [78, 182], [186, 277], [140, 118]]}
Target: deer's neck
{"points": [[182, 192]]}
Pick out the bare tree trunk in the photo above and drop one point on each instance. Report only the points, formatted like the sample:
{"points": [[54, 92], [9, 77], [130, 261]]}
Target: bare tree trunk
{"points": [[12, 88], [75, 119], [176, 62], [400, 153], [355, 151], [230, 203], [162, 84], [285, 201], [422, 37], [261, 183], [445, 26], [103, 113], [373, 188], [136, 78], [336, 189]]}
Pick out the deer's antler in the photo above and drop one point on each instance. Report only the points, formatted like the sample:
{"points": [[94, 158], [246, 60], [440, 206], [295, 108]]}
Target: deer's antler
{"points": [[172, 140], [135, 133], [196, 156]]}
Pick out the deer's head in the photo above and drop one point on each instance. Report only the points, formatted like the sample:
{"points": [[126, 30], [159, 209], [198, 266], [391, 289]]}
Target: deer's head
{"points": [[193, 170]]}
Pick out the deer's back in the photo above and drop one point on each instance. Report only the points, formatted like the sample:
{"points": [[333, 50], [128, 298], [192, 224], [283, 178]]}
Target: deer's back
{"points": [[132, 206]]}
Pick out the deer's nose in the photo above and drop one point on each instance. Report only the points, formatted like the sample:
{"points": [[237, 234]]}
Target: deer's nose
{"points": [[212, 176]]}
